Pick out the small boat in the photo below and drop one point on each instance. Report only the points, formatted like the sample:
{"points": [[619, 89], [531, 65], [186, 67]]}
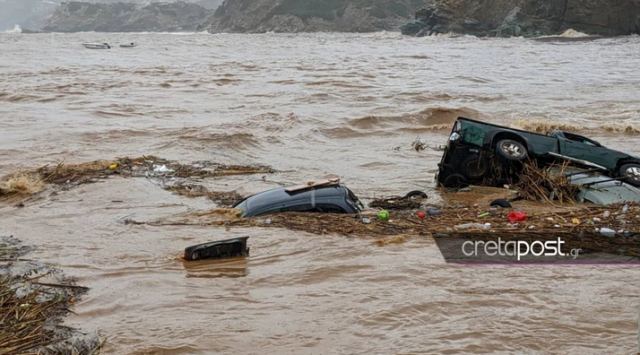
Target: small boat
{"points": [[128, 45], [97, 45]]}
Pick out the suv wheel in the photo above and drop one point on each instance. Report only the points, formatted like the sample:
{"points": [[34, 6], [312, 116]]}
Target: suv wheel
{"points": [[474, 167], [511, 150], [456, 181], [631, 173]]}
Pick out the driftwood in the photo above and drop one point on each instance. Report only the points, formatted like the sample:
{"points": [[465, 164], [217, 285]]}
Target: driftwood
{"points": [[546, 184]]}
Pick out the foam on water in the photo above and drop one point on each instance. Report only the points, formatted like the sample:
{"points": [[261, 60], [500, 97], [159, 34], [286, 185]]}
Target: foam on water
{"points": [[15, 29]]}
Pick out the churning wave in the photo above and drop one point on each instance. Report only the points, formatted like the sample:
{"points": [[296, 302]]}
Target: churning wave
{"points": [[430, 119], [15, 29], [547, 125]]}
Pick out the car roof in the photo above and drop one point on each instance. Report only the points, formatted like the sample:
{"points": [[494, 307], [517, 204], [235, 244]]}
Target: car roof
{"points": [[603, 190], [499, 126], [280, 194]]}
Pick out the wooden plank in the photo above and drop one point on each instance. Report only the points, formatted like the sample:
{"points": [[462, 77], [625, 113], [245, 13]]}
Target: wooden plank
{"points": [[334, 180]]}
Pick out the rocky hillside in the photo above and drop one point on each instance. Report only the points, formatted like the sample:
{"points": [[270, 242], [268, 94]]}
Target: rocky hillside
{"points": [[126, 17], [312, 15], [526, 17]]}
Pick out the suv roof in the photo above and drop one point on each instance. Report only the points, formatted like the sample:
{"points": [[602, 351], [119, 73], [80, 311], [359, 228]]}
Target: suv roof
{"points": [[334, 198]]}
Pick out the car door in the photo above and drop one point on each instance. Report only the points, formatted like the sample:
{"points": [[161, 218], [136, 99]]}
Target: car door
{"points": [[582, 148]]}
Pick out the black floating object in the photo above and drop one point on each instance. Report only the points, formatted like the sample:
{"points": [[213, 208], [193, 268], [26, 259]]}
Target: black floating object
{"points": [[415, 194], [221, 249], [500, 203]]}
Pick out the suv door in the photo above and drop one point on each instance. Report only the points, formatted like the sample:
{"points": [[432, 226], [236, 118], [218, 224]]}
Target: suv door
{"points": [[579, 147]]}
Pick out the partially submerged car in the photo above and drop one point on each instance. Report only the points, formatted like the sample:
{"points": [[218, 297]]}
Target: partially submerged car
{"points": [[474, 147], [328, 196], [603, 190]]}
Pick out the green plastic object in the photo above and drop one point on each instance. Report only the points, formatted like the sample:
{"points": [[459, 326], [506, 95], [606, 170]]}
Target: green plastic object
{"points": [[383, 215]]}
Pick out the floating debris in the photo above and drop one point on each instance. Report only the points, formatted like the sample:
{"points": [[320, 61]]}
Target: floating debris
{"points": [[500, 203], [33, 309], [383, 215], [27, 183], [398, 239], [221, 198], [412, 200], [546, 184], [419, 144], [221, 249]]}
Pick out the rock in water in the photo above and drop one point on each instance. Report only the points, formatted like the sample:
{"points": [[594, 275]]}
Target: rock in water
{"points": [[529, 18]]}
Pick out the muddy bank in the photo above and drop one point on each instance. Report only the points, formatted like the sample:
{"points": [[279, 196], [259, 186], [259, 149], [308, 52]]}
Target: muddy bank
{"points": [[34, 299]]}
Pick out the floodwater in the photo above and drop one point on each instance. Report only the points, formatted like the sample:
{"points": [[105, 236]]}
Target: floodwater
{"points": [[308, 105]]}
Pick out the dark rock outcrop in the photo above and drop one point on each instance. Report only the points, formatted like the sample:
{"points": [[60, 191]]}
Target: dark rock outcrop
{"points": [[504, 18], [126, 17], [312, 15]]}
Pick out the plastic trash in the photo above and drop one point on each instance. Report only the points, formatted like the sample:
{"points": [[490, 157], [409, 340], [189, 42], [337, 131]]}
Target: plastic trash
{"points": [[465, 226], [113, 166], [606, 214], [625, 208], [484, 214], [575, 221], [434, 211], [421, 214], [607, 232], [383, 215], [161, 169], [366, 220], [517, 216]]}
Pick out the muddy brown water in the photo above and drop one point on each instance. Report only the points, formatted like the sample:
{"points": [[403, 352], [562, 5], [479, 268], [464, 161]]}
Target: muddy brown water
{"points": [[308, 105]]}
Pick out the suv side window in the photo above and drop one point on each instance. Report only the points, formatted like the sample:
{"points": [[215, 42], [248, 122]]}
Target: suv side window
{"points": [[581, 139]]}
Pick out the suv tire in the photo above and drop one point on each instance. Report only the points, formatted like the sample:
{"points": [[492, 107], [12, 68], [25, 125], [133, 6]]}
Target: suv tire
{"points": [[511, 150]]}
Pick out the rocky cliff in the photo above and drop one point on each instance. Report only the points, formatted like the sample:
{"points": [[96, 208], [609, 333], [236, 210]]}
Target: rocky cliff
{"points": [[526, 17], [312, 15], [126, 17]]}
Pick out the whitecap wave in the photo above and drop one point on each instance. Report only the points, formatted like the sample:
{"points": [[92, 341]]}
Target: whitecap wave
{"points": [[15, 29]]}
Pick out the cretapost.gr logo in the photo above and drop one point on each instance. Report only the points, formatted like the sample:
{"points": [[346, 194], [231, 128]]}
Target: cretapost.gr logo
{"points": [[518, 248], [525, 247]]}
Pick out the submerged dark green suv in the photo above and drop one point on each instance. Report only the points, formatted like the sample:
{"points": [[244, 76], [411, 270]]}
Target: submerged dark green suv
{"points": [[474, 146]]}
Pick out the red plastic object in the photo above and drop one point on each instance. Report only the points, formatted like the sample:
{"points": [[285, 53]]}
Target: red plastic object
{"points": [[517, 216], [421, 214]]}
